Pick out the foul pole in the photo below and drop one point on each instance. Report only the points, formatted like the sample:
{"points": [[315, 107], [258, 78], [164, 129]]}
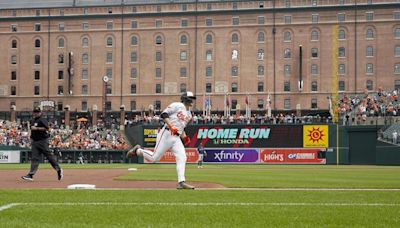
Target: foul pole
{"points": [[334, 84]]}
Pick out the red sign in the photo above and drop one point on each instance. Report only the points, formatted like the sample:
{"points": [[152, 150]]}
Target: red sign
{"points": [[292, 156], [168, 157]]}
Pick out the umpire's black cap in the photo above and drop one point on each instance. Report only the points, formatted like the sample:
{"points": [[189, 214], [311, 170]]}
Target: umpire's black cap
{"points": [[36, 109]]}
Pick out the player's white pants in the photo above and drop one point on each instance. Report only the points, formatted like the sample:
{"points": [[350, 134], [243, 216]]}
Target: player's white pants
{"points": [[165, 141]]}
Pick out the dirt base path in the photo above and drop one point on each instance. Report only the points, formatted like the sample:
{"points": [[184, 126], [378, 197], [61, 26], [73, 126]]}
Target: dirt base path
{"points": [[102, 178]]}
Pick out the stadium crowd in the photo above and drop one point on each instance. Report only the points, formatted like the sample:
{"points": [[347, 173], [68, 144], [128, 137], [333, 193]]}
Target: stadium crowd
{"points": [[357, 108], [82, 136], [281, 118]]}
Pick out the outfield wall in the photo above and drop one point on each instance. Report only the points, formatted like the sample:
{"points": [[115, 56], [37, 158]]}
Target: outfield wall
{"points": [[342, 144], [262, 144], [265, 144], [387, 154]]}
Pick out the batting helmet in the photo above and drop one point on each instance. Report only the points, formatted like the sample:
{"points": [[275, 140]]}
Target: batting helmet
{"points": [[187, 97]]}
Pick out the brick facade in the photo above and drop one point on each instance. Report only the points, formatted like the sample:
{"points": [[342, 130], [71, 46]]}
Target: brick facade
{"points": [[237, 46]]}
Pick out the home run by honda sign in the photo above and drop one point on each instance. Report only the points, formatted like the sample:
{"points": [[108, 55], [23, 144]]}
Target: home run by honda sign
{"points": [[252, 136]]}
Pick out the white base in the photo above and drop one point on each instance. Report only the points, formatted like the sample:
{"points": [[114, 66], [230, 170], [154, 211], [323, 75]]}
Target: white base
{"points": [[132, 169], [81, 186]]}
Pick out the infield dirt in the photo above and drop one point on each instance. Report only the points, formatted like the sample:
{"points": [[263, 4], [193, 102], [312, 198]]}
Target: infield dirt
{"points": [[102, 178]]}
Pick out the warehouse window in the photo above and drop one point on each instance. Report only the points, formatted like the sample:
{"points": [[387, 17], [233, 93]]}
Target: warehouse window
{"points": [[134, 40], [14, 44], [209, 39], [183, 72], [261, 37], [183, 39]]}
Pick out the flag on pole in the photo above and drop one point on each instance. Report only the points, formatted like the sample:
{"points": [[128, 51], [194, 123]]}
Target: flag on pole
{"points": [[269, 107], [269, 99], [227, 105], [248, 111], [330, 106], [204, 104], [207, 103], [225, 109]]}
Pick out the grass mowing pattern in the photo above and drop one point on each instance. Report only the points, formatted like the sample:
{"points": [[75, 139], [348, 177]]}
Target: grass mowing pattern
{"points": [[314, 214], [118, 214], [264, 176]]}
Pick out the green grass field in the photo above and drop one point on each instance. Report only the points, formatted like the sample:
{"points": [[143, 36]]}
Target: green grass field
{"points": [[286, 196]]}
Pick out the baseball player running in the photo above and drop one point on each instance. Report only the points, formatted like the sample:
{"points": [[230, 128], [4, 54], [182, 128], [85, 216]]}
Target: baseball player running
{"points": [[176, 116]]}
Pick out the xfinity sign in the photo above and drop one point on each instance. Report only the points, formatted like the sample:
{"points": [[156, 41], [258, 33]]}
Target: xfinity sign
{"points": [[230, 155]]}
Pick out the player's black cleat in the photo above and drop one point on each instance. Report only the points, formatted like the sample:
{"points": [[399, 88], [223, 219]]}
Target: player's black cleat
{"points": [[27, 177], [132, 152], [60, 174], [183, 185]]}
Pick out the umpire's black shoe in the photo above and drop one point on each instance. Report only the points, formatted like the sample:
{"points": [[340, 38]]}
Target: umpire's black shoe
{"points": [[60, 174], [27, 177], [132, 152]]}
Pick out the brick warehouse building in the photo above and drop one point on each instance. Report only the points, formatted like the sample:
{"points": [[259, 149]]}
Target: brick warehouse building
{"points": [[151, 50]]}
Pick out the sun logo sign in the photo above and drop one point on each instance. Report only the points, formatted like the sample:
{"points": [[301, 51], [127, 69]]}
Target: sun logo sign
{"points": [[315, 136]]}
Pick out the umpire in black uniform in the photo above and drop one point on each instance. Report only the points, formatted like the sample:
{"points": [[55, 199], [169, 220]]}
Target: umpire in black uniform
{"points": [[40, 145]]}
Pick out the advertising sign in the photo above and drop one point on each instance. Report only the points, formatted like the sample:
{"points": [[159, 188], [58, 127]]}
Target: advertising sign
{"points": [[168, 157], [10, 156], [292, 156], [232, 155], [245, 136], [149, 136], [316, 136]]}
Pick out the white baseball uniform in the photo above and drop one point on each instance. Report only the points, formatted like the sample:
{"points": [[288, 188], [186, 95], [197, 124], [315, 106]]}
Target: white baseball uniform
{"points": [[179, 117]]}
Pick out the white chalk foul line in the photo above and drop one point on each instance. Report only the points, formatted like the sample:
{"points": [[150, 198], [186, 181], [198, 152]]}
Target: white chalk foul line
{"points": [[262, 189], [8, 206], [306, 189]]}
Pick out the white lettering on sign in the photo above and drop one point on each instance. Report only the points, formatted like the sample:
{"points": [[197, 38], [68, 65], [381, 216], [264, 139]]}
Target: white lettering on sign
{"points": [[223, 156], [47, 104], [232, 133]]}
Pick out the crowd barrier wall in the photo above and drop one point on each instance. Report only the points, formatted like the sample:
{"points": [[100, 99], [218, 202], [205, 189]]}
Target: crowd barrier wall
{"points": [[89, 156], [337, 144]]}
